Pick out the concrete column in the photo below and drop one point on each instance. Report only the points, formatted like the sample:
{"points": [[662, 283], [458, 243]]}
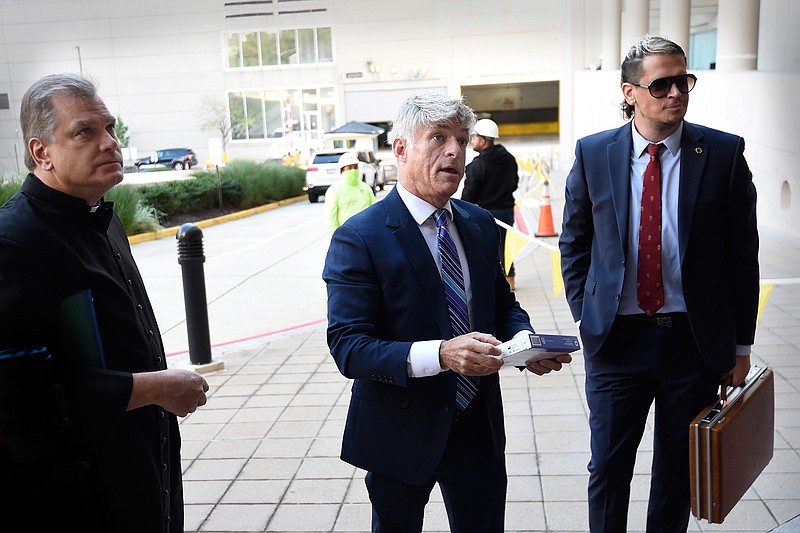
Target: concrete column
{"points": [[635, 23], [737, 35], [675, 22], [612, 22]]}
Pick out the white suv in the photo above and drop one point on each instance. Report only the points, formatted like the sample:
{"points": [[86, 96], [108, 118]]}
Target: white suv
{"points": [[324, 171]]}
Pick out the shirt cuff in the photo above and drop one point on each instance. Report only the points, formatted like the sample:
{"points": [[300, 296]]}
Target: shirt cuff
{"points": [[423, 359], [742, 350]]}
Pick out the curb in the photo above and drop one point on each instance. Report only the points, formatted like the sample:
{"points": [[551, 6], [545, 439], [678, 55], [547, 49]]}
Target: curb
{"points": [[171, 232]]}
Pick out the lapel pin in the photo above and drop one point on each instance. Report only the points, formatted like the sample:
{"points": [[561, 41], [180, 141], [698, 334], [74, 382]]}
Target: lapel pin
{"points": [[698, 150]]}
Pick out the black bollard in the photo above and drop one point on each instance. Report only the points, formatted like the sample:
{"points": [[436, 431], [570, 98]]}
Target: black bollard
{"points": [[191, 259]]}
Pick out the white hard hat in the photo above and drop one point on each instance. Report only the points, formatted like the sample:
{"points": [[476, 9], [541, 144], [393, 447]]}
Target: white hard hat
{"points": [[486, 128], [347, 159]]}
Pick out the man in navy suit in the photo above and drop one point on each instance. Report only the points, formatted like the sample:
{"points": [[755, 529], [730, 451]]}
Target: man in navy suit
{"points": [[389, 329], [672, 343]]}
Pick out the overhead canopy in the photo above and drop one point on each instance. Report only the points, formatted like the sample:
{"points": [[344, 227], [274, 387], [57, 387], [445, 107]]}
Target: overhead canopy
{"points": [[357, 128]]}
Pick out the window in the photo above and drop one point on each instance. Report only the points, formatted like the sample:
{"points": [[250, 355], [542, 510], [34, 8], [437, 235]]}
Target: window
{"points": [[234, 53], [269, 48], [285, 47], [288, 47], [250, 57], [238, 119], [269, 113], [324, 45], [306, 45], [254, 106]]}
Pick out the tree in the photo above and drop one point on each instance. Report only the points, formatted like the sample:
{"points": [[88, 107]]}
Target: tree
{"points": [[214, 117], [121, 131]]}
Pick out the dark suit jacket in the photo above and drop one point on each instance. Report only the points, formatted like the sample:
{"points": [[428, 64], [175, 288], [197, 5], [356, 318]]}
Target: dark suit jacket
{"points": [[384, 293], [716, 227]]}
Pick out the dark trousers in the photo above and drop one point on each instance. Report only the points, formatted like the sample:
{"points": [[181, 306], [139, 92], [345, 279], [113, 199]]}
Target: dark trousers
{"points": [[641, 363], [472, 482], [505, 214]]}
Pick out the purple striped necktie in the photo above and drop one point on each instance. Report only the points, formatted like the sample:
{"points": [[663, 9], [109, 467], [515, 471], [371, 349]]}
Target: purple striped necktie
{"points": [[453, 280]]}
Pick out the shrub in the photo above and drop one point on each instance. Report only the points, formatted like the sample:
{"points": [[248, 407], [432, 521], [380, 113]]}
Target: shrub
{"points": [[8, 187], [136, 217], [244, 184], [265, 182], [188, 196]]}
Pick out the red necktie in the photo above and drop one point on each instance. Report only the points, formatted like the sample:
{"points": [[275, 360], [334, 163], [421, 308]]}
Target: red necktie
{"points": [[649, 286]]}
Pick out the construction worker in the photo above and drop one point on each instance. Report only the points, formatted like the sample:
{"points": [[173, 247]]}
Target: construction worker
{"points": [[348, 195], [491, 180]]}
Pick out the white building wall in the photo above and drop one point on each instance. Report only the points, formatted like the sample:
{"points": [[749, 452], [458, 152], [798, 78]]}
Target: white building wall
{"points": [[755, 105]]}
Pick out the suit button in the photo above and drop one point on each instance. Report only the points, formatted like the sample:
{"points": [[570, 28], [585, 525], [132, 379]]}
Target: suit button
{"points": [[447, 406], [616, 297]]}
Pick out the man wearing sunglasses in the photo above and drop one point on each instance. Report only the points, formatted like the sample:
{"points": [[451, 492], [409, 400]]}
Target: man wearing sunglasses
{"points": [[659, 252]]}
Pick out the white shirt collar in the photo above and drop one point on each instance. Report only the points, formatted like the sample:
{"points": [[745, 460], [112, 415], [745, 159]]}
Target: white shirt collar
{"points": [[420, 209]]}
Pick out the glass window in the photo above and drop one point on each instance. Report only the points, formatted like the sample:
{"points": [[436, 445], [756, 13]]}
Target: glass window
{"points": [[250, 49], [310, 122], [269, 48], [306, 45], [238, 121], [293, 103], [327, 107], [310, 100], [234, 58], [272, 111], [255, 115], [288, 47], [324, 45]]}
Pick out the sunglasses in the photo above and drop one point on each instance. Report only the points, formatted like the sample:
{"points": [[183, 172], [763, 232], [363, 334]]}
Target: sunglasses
{"points": [[660, 88]]}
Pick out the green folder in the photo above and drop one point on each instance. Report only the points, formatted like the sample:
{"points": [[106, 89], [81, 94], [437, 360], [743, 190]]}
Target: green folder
{"points": [[78, 332]]}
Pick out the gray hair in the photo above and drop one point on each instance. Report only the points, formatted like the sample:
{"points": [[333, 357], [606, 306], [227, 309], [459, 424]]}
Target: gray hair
{"points": [[422, 111], [38, 116], [631, 69]]}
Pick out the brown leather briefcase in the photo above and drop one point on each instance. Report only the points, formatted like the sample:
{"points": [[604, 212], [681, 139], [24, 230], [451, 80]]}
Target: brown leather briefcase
{"points": [[730, 443]]}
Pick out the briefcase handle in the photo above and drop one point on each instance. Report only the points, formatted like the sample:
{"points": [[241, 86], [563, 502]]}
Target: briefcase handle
{"points": [[724, 384]]}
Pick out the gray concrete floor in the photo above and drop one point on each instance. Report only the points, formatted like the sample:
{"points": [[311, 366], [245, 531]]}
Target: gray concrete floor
{"points": [[263, 454]]}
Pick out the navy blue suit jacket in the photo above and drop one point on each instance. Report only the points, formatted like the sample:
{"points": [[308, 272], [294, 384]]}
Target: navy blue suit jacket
{"points": [[384, 293], [716, 227]]}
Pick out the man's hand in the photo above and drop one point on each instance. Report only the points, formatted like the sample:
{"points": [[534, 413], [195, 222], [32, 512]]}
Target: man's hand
{"points": [[471, 354], [741, 369], [176, 390], [545, 366]]}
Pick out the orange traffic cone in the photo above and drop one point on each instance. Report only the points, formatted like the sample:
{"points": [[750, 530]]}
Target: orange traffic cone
{"points": [[545, 228]]}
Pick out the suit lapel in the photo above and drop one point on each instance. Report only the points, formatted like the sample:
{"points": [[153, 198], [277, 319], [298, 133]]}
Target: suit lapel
{"points": [[405, 229], [693, 161], [619, 173]]}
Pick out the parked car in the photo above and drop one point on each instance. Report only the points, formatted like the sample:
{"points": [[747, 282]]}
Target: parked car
{"points": [[324, 171], [174, 158]]}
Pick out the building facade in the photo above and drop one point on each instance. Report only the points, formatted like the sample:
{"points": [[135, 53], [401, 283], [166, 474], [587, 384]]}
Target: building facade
{"points": [[284, 72]]}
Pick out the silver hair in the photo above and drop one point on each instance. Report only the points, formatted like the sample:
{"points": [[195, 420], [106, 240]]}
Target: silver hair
{"points": [[38, 116], [424, 110], [631, 69]]}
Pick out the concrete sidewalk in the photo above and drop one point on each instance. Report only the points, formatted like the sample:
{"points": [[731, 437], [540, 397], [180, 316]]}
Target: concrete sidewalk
{"points": [[263, 454]]}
